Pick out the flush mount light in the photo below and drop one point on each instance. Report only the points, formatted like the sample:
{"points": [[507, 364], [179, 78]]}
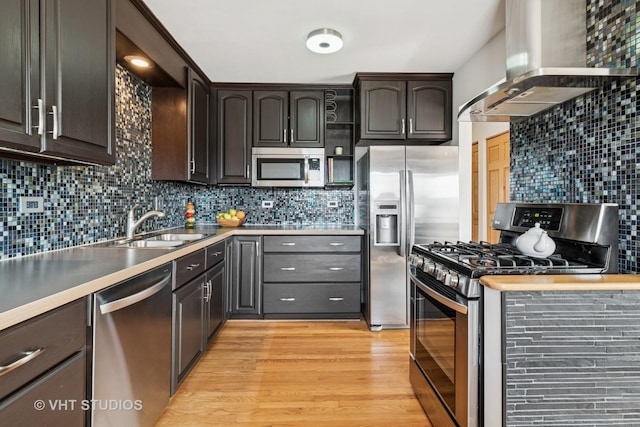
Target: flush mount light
{"points": [[138, 61], [324, 40]]}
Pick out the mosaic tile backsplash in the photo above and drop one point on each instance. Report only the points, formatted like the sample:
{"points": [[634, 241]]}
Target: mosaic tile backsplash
{"points": [[88, 204], [588, 150]]}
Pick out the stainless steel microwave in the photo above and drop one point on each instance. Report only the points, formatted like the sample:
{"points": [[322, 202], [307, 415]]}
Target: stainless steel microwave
{"points": [[287, 167]]}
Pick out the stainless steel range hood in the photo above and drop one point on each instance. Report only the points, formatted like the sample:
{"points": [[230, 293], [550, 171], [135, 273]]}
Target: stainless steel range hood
{"points": [[546, 62]]}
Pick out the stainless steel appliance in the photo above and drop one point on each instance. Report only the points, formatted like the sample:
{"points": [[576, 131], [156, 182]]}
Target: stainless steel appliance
{"points": [[546, 62], [287, 167], [132, 350], [405, 195], [446, 362]]}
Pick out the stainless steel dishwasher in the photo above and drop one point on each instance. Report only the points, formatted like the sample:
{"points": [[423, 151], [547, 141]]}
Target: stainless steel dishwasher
{"points": [[132, 350]]}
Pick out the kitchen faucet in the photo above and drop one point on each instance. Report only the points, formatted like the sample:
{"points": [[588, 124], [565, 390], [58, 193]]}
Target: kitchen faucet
{"points": [[132, 223]]}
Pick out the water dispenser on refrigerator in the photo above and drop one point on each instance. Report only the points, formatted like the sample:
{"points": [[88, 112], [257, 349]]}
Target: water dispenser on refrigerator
{"points": [[387, 232]]}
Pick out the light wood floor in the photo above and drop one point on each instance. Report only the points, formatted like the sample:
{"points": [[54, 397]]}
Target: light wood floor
{"points": [[294, 373]]}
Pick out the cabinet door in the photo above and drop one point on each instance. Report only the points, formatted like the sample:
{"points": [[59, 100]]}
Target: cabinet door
{"points": [[429, 110], [246, 281], [215, 305], [187, 327], [306, 110], [199, 129], [79, 48], [382, 109], [234, 136], [270, 118], [19, 74]]}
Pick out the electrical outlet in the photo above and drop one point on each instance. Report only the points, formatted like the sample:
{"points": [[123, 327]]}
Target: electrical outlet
{"points": [[267, 204], [332, 204], [31, 204]]}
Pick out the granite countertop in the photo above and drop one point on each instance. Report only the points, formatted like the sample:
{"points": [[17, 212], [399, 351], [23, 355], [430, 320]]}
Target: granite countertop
{"points": [[568, 282], [35, 284]]}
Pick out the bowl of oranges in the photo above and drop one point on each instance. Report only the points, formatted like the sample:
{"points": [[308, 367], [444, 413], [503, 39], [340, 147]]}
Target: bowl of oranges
{"points": [[231, 218]]}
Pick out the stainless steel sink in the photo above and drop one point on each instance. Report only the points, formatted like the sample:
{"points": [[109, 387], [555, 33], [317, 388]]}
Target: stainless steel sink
{"points": [[168, 237], [159, 241], [158, 244]]}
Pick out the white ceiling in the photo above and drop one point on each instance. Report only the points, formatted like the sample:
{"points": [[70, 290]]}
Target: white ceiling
{"points": [[263, 41]]}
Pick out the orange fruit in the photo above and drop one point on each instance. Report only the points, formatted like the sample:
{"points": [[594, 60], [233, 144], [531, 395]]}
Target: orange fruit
{"points": [[240, 214]]}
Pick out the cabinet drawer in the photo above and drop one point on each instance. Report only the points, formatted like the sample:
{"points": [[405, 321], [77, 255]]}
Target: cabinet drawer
{"points": [[58, 334], [312, 244], [188, 267], [311, 298], [215, 254], [311, 268], [65, 386]]}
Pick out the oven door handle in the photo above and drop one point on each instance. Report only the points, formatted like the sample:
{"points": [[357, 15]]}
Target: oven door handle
{"points": [[453, 305]]}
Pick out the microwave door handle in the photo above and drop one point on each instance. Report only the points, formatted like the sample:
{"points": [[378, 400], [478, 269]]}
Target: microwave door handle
{"points": [[306, 170]]}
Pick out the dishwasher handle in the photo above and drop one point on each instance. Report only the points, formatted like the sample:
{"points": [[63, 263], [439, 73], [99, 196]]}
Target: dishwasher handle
{"points": [[121, 303]]}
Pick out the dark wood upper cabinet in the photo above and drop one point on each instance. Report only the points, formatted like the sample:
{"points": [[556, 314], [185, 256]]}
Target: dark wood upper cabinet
{"points": [[411, 108], [57, 78], [199, 145], [271, 118], [288, 118], [429, 110], [234, 119], [180, 132], [383, 109]]}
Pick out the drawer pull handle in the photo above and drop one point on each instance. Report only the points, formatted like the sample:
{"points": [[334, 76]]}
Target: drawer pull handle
{"points": [[216, 253], [336, 299], [192, 266], [287, 268], [288, 244], [26, 357], [336, 268], [287, 299], [336, 244]]}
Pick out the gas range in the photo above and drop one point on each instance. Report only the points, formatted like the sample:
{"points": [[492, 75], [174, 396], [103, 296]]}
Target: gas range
{"points": [[586, 237], [447, 333]]}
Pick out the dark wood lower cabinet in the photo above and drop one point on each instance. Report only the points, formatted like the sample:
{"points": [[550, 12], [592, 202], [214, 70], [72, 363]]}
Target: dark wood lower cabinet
{"points": [[188, 306], [48, 385], [214, 301], [246, 288]]}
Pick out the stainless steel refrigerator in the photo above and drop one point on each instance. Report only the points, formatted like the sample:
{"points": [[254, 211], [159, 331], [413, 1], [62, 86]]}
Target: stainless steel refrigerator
{"points": [[405, 195]]}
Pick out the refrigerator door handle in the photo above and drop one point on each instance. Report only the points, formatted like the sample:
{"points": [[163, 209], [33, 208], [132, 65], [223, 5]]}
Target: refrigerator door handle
{"points": [[411, 210], [403, 214]]}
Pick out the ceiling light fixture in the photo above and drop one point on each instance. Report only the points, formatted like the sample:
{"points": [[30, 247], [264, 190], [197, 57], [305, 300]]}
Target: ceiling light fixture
{"points": [[138, 61], [324, 40]]}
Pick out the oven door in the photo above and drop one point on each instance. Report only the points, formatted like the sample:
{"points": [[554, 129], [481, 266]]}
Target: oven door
{"points": [[445, 334]]}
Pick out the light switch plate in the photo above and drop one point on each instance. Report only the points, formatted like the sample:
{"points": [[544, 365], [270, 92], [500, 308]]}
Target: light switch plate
{"points": [[31, 204]]}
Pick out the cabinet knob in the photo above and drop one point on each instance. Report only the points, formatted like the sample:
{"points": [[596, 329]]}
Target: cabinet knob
{"points": [[336, 299], [287, 299], [26, 357], [336, 244], [40, 108], [336, 268], [288, 244], [287, 268], [192, 266]]}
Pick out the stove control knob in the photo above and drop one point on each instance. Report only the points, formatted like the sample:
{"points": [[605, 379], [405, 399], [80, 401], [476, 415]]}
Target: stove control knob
{"points": [[429, 267], [452, 280], [441, 274], [418, 262]]}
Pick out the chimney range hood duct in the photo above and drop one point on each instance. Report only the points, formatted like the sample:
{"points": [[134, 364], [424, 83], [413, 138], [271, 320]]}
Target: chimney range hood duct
{"points": [[546, 62]]}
